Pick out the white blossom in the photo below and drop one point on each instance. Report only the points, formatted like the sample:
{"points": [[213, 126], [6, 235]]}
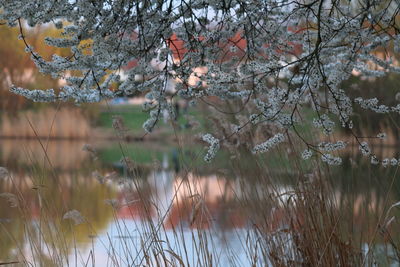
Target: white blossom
{"points": [[374, 160], [35, 95], [381, 136], [306, 154], [329, 147], [213, 146], [372, 104], [385, 162], [270, 143], [331, 160], [325, 123], [364, 148]]}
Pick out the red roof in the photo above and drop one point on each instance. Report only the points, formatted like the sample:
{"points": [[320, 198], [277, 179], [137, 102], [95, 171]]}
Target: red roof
{"points": [[179, 50], [177, 47], [234, 47]]}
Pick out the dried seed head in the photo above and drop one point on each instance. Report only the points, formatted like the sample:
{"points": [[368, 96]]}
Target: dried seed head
{"points": [[118, 123], [3, 173], [112, 202], [11, 198], [75, 216]]}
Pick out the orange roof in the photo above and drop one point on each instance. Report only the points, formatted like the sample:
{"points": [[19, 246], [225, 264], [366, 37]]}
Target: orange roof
{"points": [[179, 50], [177, 47], [234, 47]]}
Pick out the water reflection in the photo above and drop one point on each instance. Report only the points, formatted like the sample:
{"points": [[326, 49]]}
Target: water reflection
{"points": [[118, 208], [42, 201]]}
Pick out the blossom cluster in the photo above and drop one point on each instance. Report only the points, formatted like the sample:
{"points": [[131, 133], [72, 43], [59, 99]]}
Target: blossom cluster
{"points": [[270, 143], [329, 147], [306, 154], [330, 159], [213, 146], [385, 162], [325, 123]]}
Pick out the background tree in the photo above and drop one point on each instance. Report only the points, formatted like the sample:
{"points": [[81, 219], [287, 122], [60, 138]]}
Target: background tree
{"points": [[17, 67]]}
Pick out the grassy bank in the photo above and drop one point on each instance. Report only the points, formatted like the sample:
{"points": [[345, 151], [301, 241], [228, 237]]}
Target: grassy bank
{"points": [[133, 118]]}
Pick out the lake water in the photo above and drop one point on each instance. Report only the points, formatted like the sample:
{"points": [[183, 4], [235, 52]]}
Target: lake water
{"points": [[167, 199]]}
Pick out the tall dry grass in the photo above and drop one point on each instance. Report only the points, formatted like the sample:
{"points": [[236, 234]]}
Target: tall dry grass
{"points": [[64, 154], [298, 225], [303, 224], [63, 123]]}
